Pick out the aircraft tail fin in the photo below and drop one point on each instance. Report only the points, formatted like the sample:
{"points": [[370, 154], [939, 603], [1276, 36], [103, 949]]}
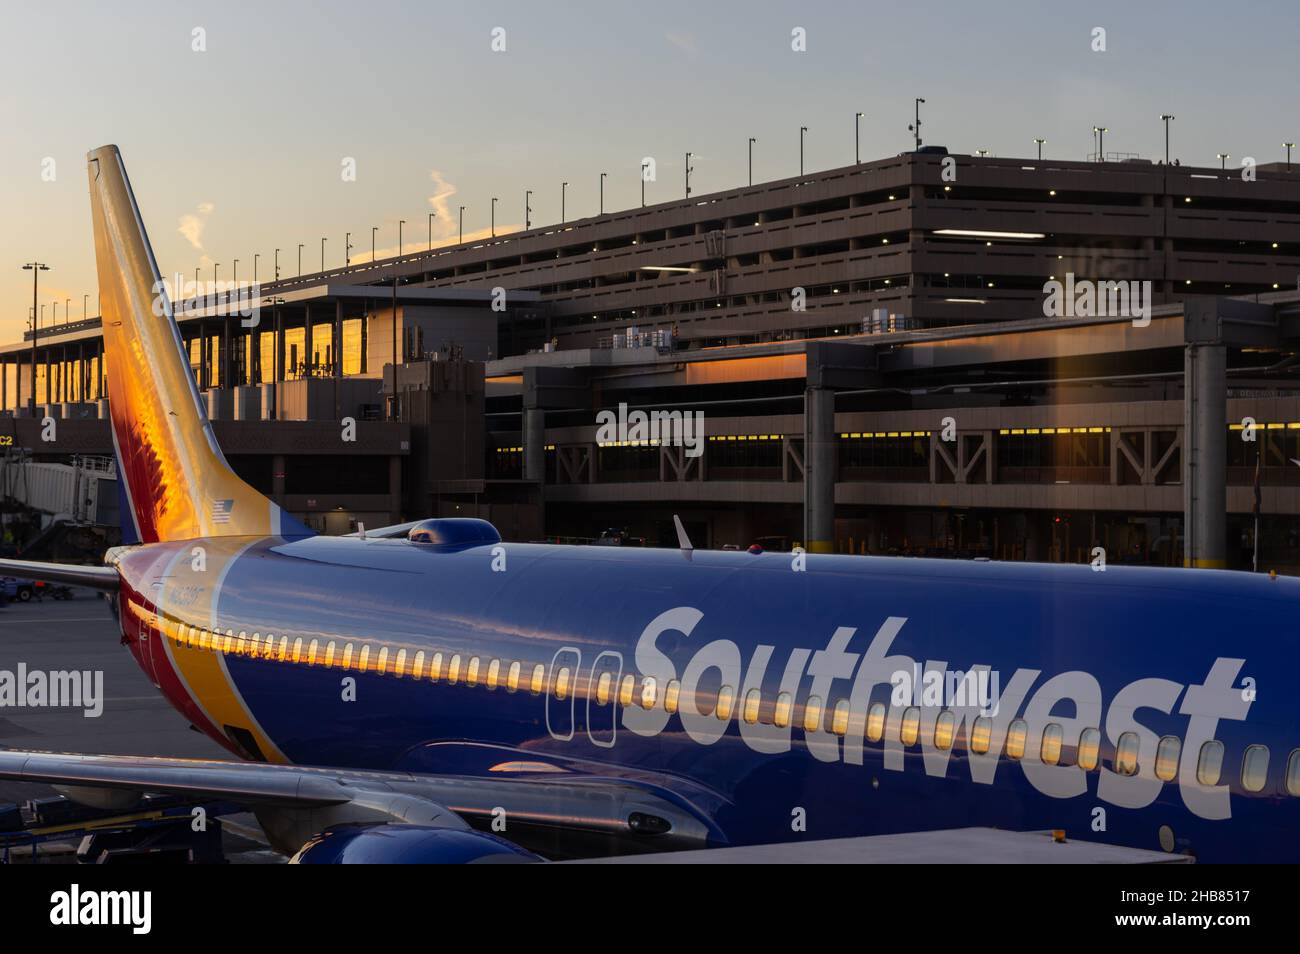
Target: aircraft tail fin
{"points": [[177, 483]]}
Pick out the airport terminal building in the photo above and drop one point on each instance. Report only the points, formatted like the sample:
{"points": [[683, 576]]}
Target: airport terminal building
{"points": [[870, 352]]}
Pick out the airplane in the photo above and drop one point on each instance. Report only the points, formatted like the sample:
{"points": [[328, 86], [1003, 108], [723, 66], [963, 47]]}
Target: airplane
{"points": [[430, 693]]}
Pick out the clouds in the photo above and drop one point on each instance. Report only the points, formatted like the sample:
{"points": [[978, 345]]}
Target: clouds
{"points": [[683, 41], [191, 224]]}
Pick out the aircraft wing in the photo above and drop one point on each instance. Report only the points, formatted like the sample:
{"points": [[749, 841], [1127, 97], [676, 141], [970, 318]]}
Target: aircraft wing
{"points": [[95, 577], [295, 803]]}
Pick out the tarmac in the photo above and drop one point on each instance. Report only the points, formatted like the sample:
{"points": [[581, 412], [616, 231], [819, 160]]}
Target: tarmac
{"points": [[81, 634]]}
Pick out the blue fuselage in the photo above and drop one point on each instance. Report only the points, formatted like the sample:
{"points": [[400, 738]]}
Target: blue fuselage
{"points": [[780, 696]]}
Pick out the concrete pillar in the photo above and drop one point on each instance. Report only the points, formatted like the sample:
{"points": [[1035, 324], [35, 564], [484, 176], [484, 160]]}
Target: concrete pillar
{"points": [[1205, 429], [819, 470], [535, 444]]}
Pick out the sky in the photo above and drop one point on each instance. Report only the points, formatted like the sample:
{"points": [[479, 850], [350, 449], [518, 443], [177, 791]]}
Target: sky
{"points": [[237, 121]]}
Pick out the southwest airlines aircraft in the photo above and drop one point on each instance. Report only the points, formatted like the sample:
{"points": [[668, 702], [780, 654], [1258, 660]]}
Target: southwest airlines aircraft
{"points": [[429, 693]]}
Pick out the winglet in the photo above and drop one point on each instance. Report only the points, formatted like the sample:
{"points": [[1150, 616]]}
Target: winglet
{"points": [[683, 540]]}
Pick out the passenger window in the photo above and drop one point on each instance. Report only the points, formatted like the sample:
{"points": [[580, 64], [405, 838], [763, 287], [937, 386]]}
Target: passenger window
{"points": [[435, 667], [399, 664], [297, 649], [381, 663], [329, 653], [229, 641], [781, 716], [840, 717], [812, 714], [944, 727], [876, 722], [312, 650], [453, 670], [347, 655], [1254, 768], [417, 668], [649, 692], [672, 695], [625, 690], [1017, 735], [602, 688], [539, 675], [494, 673], [726, 699], [471, 674], [255, 646], [1167, 757], [911, 728], [364, 659], [1053, 736], [240, 641], [753, 699], [562, 683], [284, 649], [981, 735], [1293, 773], [512, 680], [1126, 754], [1089, 749]]}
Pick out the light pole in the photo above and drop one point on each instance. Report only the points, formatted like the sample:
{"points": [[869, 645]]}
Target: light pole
{"points": [[431, 218], [528, 209], [857, 138], [374, 230], [981, 153], [1040, 148], [277, 264], [564, 188], [67, 310], [916, 129], [322, 253], [235, 275], [752, 140], [300, 258], [1223, 158], [602, 192], [347, 251], [492, 219], [1100, 133], [85, 306], [1289, 146], [1166, 118], [35, 268], [803, 131], [460, 240], [688, 175], [400, 223], [644, 164]]}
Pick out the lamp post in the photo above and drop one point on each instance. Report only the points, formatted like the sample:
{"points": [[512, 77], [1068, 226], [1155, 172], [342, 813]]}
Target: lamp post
{"points": [[564, 188], [300, 258], [67, 310], [277, 264], [644, 164], [85, 306], [1040, 148], [1166, 118], [35, 268], [256, 256], [492, 219], [688, 175], [528, 209], [803, 131], [374, 230], [461, 234], [857, 138], [347, 250], [400, 223], [1100, 133], [916, 129], [1223, 158], [602, 192], [752, 140], [1289, 146], [431, 218]]}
